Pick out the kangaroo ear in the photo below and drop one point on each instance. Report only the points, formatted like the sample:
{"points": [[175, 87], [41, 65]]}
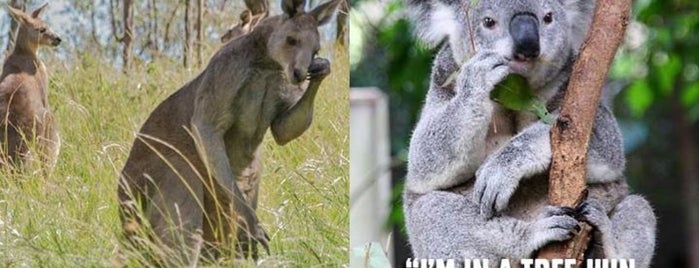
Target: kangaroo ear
{"points": [[18, 15], [37, 11], [293, 7], [324, 12], [245, 16]]}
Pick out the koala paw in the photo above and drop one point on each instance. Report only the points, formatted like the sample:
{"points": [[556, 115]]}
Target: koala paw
{"points": [[482, 72], [495, 185], [319, 69], [554, 224], [594, 212]]}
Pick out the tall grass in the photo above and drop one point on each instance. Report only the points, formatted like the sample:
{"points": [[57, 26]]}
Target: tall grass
{"points": [[69, 218]]}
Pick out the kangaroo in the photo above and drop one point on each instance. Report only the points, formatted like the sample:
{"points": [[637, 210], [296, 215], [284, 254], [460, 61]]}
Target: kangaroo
{"points": [[26, 118], [182, 174], [248, 21]]}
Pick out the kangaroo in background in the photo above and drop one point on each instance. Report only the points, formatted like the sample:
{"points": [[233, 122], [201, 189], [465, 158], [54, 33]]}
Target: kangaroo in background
{"points": [[248, 21], [184, 166], [26, 118]]}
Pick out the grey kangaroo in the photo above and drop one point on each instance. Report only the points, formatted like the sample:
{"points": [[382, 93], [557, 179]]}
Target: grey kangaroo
{"points": [[186, 162], [26, 117]]}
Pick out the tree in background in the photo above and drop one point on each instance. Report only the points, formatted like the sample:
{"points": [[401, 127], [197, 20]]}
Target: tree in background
{"points": [[21, 5]]}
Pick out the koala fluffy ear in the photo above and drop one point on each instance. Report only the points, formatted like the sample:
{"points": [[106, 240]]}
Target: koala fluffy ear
{"points": [[579, 13]]}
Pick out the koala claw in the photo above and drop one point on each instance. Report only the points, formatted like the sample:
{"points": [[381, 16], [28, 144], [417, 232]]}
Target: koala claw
{"points": [[493, 189], [482, 72], [554, 224], [594, 212]]}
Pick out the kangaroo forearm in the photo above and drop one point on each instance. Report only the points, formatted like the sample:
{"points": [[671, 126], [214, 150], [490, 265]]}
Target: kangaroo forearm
{"points": [[293, 122], [442, 151]]}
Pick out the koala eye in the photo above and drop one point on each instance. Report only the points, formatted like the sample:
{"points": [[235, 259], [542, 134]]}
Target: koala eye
{"points": [[42, 30], [291, 41], [548, 18], [488, 22]]}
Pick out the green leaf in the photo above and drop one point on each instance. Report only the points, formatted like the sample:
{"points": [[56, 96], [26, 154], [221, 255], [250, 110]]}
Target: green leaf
{"points": [[690, 95], [639, 97], [667, 74], [514, 93]]}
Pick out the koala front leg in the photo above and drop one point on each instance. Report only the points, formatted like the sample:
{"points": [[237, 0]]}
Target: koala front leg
{"points": [[629, 233], [527, 154], [447, 225], [605, 155], [447, 144], [291, 123]]}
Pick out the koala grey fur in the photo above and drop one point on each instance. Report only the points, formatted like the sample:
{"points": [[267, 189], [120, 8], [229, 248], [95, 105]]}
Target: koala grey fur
{"points": [[462, 134]]}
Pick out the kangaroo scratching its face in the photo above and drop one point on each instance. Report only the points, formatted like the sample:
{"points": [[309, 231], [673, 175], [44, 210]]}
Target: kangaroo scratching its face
{"points": [[186, 171], [26, 118]]}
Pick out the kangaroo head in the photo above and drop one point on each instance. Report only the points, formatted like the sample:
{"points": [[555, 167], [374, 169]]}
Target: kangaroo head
{"points": [[295, 41], [32, 31]]}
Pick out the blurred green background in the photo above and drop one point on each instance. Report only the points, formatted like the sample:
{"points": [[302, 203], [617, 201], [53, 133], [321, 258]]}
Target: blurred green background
{"points": [[656, 72]]}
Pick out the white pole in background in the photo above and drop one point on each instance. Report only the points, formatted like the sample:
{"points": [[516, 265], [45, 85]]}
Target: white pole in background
{"points": [[370, 177]]}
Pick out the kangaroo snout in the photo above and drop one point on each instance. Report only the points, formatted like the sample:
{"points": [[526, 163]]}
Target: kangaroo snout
{"points": [[56, 41], [298, 75], [524, 29]]}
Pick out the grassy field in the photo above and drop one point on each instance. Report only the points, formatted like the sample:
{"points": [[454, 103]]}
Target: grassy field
{"points": [[69, 218]]}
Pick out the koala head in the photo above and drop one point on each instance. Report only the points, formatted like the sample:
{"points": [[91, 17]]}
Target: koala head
{"points": [[537, 36]]}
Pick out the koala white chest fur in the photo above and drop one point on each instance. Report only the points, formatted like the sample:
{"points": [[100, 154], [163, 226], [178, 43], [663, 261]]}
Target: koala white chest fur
{"points": [[477, 173]]}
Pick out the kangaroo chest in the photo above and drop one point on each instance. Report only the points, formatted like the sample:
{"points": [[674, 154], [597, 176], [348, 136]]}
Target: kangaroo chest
{"points": [[254, 108]]}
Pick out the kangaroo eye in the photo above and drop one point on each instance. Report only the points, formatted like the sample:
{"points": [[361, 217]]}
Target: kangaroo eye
{"points": [[548, 18], [42, 30], [291, 41], [488, 22]]}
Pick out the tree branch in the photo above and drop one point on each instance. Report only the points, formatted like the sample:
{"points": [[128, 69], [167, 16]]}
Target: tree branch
{"points": [[570, 134]]}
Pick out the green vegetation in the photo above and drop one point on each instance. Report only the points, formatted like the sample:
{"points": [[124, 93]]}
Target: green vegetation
{"points": [[69, 218]]}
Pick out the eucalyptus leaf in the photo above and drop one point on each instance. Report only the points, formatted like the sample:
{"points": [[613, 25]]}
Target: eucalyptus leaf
{"points": [[514, 93]]}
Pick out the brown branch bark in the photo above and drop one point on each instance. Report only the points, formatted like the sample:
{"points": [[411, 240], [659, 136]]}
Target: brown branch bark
{"points": [[570, 134]]}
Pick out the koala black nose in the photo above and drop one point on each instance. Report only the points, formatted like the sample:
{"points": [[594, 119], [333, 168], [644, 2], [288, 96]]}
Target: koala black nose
{"points": [[524, 29], [57, 41]]}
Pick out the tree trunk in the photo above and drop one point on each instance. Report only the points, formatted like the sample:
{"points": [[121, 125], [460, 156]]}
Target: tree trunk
{"points": [[341, 28], [570, 134], [187, 37], [18, 4], [128, 33], [199, 42], [168, 22], [153, 35], [689, 174]]}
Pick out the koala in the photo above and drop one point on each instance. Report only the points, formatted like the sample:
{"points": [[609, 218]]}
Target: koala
{"points": [[477, 177]]}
